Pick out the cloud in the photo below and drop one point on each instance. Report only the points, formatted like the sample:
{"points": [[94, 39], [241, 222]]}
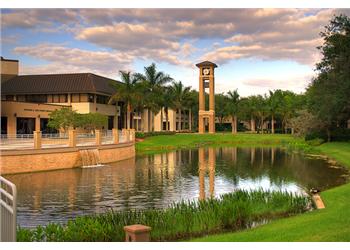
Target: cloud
{"points": [[294, 83], [176, 36], [65, 60], [37, 18]]}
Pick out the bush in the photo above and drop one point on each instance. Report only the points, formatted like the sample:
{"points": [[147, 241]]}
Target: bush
{"points": [[182, 220], [338, 134]]}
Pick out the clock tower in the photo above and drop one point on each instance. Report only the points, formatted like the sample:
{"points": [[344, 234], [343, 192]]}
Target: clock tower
{"points": [[206, 80]]}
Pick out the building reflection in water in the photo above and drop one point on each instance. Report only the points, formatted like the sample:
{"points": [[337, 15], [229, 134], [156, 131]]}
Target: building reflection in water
{"points": [[156, 181], [206, 165]]}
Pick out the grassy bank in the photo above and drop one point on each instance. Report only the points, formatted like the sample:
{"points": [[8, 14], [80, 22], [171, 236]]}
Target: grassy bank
{"points": [[159, 144], [180, 221], [329, 224]]}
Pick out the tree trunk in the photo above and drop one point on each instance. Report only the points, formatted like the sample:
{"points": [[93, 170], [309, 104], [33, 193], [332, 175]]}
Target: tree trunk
{"points": [[272, 125], [167, 119], [128, 115], [328, 135], [180, 128], [252, 125], [190, 120], [235, 122]]}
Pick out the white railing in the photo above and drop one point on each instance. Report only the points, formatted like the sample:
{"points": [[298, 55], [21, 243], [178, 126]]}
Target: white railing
{"points": [[8, 197], [20, 141], [57, 140]]}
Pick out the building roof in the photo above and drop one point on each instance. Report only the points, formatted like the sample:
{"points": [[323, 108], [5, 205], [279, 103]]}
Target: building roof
{"points": [[8, 60], [58, 83], [206, 63]]}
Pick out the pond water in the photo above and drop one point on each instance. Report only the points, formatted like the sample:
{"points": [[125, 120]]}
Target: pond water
{"points": [[155, 181]]}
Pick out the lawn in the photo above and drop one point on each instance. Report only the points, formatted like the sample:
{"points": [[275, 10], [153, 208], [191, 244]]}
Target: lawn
{"points": [[329, 224], [163, 143]]}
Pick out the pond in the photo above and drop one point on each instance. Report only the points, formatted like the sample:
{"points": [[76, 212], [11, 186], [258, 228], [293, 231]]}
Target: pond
{"points": [[155, 181]]}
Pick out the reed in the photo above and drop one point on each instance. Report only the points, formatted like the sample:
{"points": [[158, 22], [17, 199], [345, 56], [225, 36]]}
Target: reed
{"points": [[233, 211]]}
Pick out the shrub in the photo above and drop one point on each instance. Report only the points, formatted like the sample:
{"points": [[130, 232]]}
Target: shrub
{"points": [[182, 220], [337, 134]]}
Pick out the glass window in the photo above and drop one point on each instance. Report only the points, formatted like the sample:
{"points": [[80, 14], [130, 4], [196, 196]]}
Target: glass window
{"points": [[63, 98], [83, 98], [36, 98], [91, 97], [56, 98], [21, 98], [9, 98], [49, 98], [102, 99], [75, 98]]}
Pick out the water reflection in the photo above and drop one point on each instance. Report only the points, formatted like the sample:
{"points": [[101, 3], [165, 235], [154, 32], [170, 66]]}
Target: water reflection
{"points": [[155, 181]]}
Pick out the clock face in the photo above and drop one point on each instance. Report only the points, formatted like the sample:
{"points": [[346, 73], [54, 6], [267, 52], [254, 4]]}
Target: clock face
{"points": [[206, 71]]}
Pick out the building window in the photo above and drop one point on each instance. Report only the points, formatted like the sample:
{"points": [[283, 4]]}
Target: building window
{"points": [[36, 98], [102, 99], [63, 98], [21, 98], [75, 98], [91, 97], [83, 98], [49, 98], [9, 97]]}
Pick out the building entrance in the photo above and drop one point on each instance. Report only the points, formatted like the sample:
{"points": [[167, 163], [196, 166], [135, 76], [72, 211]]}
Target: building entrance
{"points": [[25, 125], [3, 125]]}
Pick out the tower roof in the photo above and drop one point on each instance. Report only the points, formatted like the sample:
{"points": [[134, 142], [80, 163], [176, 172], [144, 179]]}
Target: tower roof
{"points": [[206, 63]]}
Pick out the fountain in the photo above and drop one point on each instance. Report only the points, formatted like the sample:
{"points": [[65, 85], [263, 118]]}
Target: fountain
{"points": [[90, 158]]}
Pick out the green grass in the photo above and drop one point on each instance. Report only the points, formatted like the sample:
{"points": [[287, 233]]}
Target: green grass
{"points": [[329, 224], [157, 144], [181, 220]]}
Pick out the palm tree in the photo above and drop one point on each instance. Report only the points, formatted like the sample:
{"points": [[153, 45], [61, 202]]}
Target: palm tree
{"points": [[232, 108], [129, 91], [153, 81], [180, 98], [261, 110], [193, 106], [166, 105], [274, 101]]}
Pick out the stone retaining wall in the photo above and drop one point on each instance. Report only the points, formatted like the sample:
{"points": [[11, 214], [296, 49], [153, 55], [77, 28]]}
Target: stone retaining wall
{"points": [[33, 160]]}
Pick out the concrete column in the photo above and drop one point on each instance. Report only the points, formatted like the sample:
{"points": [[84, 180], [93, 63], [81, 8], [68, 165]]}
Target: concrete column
{"points": [[211, 93], [98, 137], [132, 134], [212, 123], [126, 134], [201, 169], [137, 233], [69, 99], [115, 133], [201, 124], [11, 125], [37, 123], [37, 139], [211, 163], [72, 138]]}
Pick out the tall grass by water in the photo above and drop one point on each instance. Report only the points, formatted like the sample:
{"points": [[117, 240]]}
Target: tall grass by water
{"points": [[233, 211]]}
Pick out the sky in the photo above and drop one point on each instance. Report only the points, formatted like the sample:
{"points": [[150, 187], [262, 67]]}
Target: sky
{"points": [[256, 50]]}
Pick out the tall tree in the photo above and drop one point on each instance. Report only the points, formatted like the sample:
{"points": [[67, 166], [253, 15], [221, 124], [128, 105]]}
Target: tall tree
{"points": [[180, 97], [221, 107], [328, 94], [153, 81], [233, 108], [128, 91], [273, 104]]}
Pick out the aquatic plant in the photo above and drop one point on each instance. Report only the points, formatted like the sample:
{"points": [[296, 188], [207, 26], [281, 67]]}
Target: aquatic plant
{"points": [[232, 211]]}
